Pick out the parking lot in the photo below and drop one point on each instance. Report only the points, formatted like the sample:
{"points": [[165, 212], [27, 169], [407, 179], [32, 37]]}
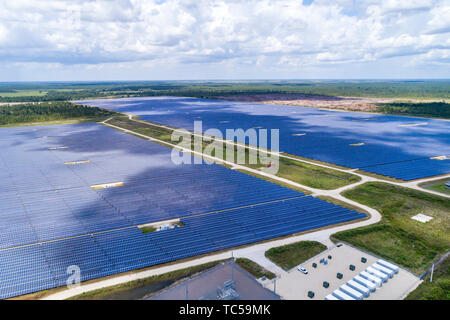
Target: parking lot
{"points": [[295, 285]]}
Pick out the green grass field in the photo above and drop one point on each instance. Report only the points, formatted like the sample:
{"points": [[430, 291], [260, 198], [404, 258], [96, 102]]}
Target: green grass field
{"points": [[52, 122], [437, 185], [23, 93], [148, 229], [410, 243], [423, 89], [254, 268], [291, 255], [439, 289]]}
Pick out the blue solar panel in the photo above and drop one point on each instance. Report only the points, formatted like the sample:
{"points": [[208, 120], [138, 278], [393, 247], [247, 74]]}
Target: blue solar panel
{"points": [[329, 134], [45, 265], [51, 218], [55, 200]]}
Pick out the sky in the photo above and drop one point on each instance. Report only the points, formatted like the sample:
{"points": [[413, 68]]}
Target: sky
{"points": [[75, 40]]}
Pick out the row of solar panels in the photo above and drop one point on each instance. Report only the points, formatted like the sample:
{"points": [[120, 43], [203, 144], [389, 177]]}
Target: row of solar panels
{"points": [[36, 267], [57, 217], [42, 199], [411, 170]]}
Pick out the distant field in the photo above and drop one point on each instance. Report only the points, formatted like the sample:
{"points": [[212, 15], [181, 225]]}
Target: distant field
{"points": [[417, 89], [23, 93], [397, 237], [291, 255]]}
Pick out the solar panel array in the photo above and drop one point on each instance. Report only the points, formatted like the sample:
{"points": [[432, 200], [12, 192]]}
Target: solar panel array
{"points": [[51, 218], [376, 143], [42, 266], [42, 199]]}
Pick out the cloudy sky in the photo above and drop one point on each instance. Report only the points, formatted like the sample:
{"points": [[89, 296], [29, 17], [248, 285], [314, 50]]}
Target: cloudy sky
{"points": [[230, 39]]}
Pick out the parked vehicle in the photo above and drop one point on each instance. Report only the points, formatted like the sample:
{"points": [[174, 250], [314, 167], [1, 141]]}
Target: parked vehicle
{"points": [[302, 270]]}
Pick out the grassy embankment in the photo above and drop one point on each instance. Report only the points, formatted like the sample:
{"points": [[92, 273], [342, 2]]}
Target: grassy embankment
{"points": [[438, 289], [254, 269], [148, 229], [302, 173], [440, 188], [437, 185], [397, 237], [50, 113], [291, 255]]}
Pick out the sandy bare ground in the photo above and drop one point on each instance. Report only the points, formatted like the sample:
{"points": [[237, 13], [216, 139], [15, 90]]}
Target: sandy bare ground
{"points": [[318, 101], [12, 103]]}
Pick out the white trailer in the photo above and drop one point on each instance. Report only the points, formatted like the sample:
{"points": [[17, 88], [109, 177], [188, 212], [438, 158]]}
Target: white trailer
{"points": [[341, 295], [366, 283], [331, 297], [377, 273], [359, 287], [351, 292], [377, 281], [388, 265], [385, 270]]}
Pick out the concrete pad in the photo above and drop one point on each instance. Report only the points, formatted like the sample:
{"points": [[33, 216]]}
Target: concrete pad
{"points": [[294, 285], [422, 218]]}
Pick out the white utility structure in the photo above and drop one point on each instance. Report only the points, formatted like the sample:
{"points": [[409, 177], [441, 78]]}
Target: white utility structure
{"points": [[368, 284], [331, 297], [385, 270], [388, 265], [341, 295], [377, 281], [359, 287], [377, 273], [351, 292]]}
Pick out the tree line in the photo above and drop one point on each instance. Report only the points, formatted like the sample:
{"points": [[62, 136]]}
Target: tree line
{"points": [[425, 109], [49, 111]]}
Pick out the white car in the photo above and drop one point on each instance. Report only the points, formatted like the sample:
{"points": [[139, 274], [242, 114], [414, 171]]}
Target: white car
{"points": [[302, 270]]}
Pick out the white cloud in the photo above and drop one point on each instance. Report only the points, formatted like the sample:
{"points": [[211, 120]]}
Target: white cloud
{"points": [[261, 33]]}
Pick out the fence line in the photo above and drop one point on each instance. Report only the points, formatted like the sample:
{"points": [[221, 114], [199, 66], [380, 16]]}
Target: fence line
{"points": [[437, 263]]}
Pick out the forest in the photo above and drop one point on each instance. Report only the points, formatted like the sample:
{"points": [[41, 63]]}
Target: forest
{"points": [[61, 91], [49, 111], [430, 109]]}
